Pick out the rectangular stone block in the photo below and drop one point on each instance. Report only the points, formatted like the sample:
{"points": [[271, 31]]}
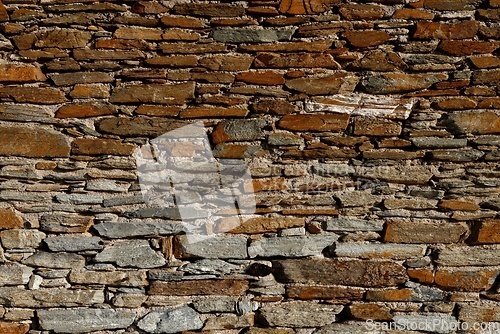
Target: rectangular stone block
{"points": [[224, 287]]}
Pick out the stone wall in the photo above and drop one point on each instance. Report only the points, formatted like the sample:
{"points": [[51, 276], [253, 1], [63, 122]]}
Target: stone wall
{"points": [[371, 129]]}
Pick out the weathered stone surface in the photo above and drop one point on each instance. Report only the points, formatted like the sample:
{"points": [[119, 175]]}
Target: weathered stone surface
{"points": [[366, 126], [227, 62], [11, 327], [132, 278], [83, 320], [69, 243], [380, 61], [65, 223], [300, 314], [481, 122], [91, 54], [13, 73], [366, 311], [9, 218], [365, 273], [238, 130], [398, 174], [171, 321], [330, 122], [14, 274], [450, 5], [486, 232], [461, 48], [60, 38], [133, 253], [32, 142], [438, 142], [246, 35], [424, 232], [16, 297], [400, 83], [346, 224], [140, 126], [55, 260], [468, 256], [462, 155], [209, 9], [300, 60], [308, 292], [225, 287], [300, 7], [21, 238], [85, 110], [291, 246], [377, 251], [116, 230], [474, 280], [69, 79], [435, 323], [210, 267], [366, 39], [210, 247], [94, 146], [335, 84], [486, 313], [154, 93], [430, 30]]}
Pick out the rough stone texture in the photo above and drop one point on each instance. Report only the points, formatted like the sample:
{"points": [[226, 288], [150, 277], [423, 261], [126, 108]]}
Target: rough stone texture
{"points": [[370, 128], [171, 321], [83, 320]]}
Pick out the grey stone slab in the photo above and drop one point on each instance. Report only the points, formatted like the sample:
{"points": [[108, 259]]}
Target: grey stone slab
{"points": [[73, 243], [171, 321], [249, 35], [212, 247], [300, 246], [116, 230], [131, 253]]}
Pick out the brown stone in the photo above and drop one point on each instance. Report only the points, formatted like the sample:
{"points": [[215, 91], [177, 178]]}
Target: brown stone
{"points": [[225, 287], [138, 33], [89, 91], [456, 104], [465, 280], [273, 107], [173, 61], [33, 95], [69, 79], [412, 14], [139, 126], [334, 84], [312, 46], [148, 7], [417, 232], [212, 112], [110, 278], [328, 122], [13, 328], [4, 16], [438, 30], [321, 153], [389, 295], [365, 273], [10, 219], [87, 54], [481, 122], [180, 48], [301, 7], [122, 44], [12, 73], [422, 275], [227, 63], [261, 78], [308, 292], [32, 142], [485, 314], [392, 83], [94, 146], [366, 39], [65, 223], [451, 5], [259, 224], [458, 205], [57, 38], [182, 22], [238, 130], [358, 12], [81, 110], [366, 126], [490, 103], [292, 60], [465, 48], [369, 311], [486, 232], [238, 151], [380, 61], [154, 93], [486, 77], [489, 14], [157, 110], [209, 9], [174, 34]]}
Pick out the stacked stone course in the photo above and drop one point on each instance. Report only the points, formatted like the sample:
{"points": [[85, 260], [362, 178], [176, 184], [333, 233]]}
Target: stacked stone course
{"points": [[372, 133]]}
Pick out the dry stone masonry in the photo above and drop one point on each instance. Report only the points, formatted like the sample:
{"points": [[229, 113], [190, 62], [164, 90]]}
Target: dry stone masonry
{"points": [[371, 129]]}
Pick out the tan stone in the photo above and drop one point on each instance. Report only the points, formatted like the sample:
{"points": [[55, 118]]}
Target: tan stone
{"points": [[95, 146], [4, 16], [173, 61], [138, 33], [480, 122], [366, 39], [13, 328], [157, 110], [65, 223], [32, 142], [227, 63], [412, 14], [451, 5], [335, 84], [367, 126], [438, 30], [301, 7], [10, 219], [69, 79], [13, 73], [312, 46], [88, 54], [212, 112], [138, 126], [308, 292], [391, 83], [154, 93], [182, 22], [89, 91], [226, 287], [328, 122], [32, 95], [292, 60], [424, 232], [358, 12], [486, 232], [465, 280], [258, 224], [458, 205], [82, 110], [261, 78], [110, 278], [369, 311]]}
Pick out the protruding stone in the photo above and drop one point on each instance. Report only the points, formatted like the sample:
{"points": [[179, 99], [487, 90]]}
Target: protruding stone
{"points": [[70, 243], [65, 223]]}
